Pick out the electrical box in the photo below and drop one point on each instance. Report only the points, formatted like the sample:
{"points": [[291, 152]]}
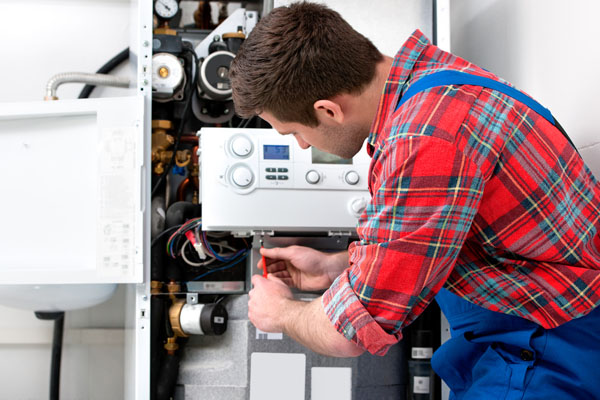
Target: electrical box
{"points": [[257, 179]]}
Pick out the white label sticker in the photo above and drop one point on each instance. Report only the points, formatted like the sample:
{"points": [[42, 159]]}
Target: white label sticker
{"points": [[422, 352], [330, 383], [277, 376], [268, 335], [116, 186], [421, 385]]}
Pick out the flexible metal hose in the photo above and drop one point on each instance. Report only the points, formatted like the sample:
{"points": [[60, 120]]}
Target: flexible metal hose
{"points": [[82, 77]]}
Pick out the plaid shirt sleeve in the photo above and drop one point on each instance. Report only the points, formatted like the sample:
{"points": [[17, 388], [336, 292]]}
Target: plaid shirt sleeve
{"points": [[425, 196]]}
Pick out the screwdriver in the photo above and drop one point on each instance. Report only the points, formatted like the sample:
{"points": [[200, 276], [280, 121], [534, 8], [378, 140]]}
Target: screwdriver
{"points": [[263, 260]]}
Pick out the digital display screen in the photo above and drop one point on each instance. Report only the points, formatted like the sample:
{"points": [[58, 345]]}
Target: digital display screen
{"points": [[276, 152], [320, 157]]}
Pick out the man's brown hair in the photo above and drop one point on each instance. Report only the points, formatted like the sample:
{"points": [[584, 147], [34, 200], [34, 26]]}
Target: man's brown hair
{"points": [[297, 55]]}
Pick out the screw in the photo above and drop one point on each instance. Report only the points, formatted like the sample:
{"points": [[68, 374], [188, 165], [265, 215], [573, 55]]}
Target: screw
{"points": [[145, 298], [146, 43], [226, 111]]}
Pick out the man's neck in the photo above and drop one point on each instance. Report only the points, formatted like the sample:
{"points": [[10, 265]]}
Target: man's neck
{"points": [[372, 94]]}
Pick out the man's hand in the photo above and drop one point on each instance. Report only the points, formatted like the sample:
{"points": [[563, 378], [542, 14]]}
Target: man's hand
{"points": [[271, 308], [303, 267], [266, 303]]}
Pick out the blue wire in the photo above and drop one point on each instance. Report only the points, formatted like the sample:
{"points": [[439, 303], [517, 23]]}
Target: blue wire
{"points": [[221, 268], [218, 257]]}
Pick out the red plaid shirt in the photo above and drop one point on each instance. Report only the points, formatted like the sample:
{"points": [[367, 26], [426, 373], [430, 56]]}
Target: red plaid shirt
{"points": [[471, 191]]}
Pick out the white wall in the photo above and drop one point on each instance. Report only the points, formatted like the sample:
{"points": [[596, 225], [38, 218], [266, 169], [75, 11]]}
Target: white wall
{"points": [[548, 48], [396, 19], [39, 38]]}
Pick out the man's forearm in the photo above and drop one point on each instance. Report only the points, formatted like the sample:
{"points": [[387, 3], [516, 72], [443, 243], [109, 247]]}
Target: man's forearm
{"points": [[307, 323], [336, 264]]}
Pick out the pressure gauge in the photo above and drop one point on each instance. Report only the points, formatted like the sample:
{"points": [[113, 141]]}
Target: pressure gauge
{"points": [[166, 9]]}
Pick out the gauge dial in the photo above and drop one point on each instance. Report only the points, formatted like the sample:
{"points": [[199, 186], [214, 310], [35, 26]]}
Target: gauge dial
{"points": [[166, 9]]}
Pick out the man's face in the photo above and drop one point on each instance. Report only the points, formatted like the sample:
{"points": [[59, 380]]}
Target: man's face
{"points": [[344, 141]]}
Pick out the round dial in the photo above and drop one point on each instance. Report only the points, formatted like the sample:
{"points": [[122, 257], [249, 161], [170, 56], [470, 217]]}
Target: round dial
{"points": [[242, 176], [313, 177], [357, 206], [351, 177], [166, 9], [241, 146]]}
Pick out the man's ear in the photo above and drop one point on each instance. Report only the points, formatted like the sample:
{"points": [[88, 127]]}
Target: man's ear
{"points": [[328, 111]]}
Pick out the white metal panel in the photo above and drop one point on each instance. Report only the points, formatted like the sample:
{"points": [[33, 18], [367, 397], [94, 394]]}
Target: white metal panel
{"points": [[74, 213]]}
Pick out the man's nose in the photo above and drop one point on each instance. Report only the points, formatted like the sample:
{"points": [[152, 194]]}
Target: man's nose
{"points": [[301, 142]]}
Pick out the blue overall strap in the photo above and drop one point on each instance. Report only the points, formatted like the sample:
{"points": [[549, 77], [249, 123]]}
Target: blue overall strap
{"points": [[450, 77]]}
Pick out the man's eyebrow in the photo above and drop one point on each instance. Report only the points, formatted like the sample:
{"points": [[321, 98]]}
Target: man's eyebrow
{"points": [[286, 133]]}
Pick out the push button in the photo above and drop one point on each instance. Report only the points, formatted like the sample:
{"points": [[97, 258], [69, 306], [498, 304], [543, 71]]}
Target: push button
{"points": [[282, 177], [313, 177], [282, 170], [271, 177], [526, 355], [270, 169]]}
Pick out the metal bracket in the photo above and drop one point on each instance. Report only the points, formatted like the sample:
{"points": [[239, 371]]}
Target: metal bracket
{"points": [[263, 232], [241, 234], [191, 298]]}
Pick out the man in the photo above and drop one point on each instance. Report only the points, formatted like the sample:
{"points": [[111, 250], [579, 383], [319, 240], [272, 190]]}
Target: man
{"points": [[477, 198]]}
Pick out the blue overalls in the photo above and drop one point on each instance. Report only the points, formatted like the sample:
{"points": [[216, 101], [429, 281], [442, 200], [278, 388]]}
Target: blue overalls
{"points": [[498, 356]]}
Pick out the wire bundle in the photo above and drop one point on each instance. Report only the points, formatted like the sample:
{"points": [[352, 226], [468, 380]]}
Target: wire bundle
{"points": [[192, 232]]}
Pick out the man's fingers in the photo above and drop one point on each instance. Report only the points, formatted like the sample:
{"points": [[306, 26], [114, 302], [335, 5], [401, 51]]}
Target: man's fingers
{"points": [[256, 279], [277, 266], [281, 274], [278, 253], [274, 266]]}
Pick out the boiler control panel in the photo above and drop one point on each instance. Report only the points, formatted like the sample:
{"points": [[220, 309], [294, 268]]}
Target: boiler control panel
{"points": [[257, 179]]}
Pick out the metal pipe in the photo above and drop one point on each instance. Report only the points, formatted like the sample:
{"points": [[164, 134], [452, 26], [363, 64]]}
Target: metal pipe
{"points": [[82, 77]]}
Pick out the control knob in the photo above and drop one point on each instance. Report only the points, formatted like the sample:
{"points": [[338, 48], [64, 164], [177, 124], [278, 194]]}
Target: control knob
{"points": [[357, 206], [313, 177], [242, 176], [351, 177], [241, 146]]}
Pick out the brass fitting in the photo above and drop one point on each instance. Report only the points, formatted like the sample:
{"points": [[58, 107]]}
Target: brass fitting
{"points": [[173, 287], [155, 287], [183, 158], [161, 141], [165, 30], [234, 35], [174, 314], [171, 346]]}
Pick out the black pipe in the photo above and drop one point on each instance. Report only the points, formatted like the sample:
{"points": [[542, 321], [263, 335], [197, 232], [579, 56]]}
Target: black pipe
{"points": [[105, 69], [157, 335], [57, 341], [168, 377]]}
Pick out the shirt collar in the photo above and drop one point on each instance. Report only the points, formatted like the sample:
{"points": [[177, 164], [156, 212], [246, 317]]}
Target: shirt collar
{"points": [[402, 68]]}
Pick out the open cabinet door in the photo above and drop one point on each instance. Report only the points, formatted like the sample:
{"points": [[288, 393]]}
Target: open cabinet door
{"points": [[73, 183]]}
